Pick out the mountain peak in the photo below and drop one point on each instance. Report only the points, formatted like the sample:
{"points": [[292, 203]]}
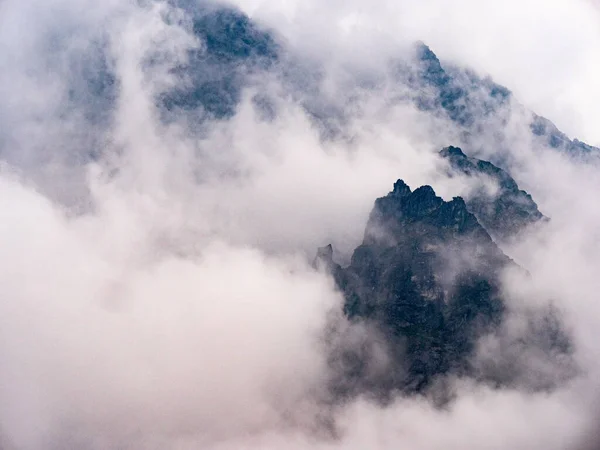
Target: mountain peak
{"points": [[401, 189], [420, 212], [452, 151], [395, 281], [503, 213], [427, 278]]}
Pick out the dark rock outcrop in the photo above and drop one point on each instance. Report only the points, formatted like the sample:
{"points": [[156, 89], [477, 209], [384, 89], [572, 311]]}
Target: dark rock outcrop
{"points": [[504, 212], [232, 47], [427, 282], [467, 100], [426, 277]]}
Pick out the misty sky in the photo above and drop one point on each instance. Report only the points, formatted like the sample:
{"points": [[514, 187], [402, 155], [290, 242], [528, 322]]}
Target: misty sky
{"points": [[156, 290]]}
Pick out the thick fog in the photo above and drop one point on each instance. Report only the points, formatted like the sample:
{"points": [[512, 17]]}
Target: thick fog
{"points": [[156, 288]]}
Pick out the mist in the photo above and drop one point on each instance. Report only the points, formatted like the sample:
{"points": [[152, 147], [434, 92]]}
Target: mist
{"points": [[156, 286]]}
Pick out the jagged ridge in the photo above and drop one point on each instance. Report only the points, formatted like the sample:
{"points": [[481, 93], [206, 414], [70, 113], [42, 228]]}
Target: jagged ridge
{"points": [[426, 276], [503, 213]]}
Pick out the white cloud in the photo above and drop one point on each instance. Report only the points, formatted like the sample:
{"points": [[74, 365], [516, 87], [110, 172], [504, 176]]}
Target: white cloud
{"points": [[545, 51], [175, 308]]}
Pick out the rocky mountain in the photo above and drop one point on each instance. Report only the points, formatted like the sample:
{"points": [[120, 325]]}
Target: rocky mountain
{"points": [[231, 48], [426, 275], [234, 48], [469, 101], [427, 279], [502, 208]]}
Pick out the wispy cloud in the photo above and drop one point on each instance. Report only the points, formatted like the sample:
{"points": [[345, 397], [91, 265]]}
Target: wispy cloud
{"points": [[155, 282]]}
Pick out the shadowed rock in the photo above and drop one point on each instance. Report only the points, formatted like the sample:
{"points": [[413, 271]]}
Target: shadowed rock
{"points": [[426, 277], [427, 281], [503, 213]]}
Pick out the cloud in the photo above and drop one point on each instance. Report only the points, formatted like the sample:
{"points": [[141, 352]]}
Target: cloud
{"points": [[546, 52], [155, 285], [116, 332]]}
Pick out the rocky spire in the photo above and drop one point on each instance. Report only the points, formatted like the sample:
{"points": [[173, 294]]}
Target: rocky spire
{"points": [[503, 213]]}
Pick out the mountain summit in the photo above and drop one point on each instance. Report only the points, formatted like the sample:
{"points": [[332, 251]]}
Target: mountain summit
{"points": [[505, 211], [427, 277]]}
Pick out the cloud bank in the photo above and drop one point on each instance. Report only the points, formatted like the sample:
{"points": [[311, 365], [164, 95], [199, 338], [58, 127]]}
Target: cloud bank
{"points": [[155, 283]]}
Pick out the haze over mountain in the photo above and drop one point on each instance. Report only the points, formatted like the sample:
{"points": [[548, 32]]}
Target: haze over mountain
{"points": [[257, 224]]}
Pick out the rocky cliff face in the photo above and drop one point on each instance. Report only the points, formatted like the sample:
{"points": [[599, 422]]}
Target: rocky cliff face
{"points": [[234, 48], [426, 276], [505, 210], [469, 101], [427, 281]]}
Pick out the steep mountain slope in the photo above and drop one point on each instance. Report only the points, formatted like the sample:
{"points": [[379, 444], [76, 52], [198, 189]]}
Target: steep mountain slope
{"points": [[233, 49], [426, 275], [427, 280], [505, 210], [468, 100]]}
